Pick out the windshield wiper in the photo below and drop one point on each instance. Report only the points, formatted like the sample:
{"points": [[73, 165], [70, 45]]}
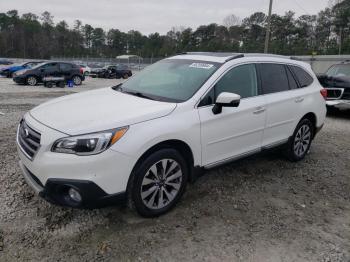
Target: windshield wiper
{"points": [[139, 94]]}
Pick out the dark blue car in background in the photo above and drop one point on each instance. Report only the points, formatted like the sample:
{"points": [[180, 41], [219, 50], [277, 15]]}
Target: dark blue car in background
{"points": [[8, 71]]}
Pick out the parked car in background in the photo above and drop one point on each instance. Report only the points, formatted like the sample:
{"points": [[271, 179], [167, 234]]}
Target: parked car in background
{"points": [[5, 62], [146, 138], [112, 71], [9, 71], [35, 75], [86, 69], [337, 82], [123, 71]]}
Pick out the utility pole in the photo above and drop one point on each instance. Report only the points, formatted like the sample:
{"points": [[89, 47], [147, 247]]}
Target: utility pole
{"points": [[267, 37], [340, 40]]}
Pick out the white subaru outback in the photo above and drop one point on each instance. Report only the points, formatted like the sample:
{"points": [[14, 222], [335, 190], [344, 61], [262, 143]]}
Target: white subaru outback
{"points": [[143, 140]]}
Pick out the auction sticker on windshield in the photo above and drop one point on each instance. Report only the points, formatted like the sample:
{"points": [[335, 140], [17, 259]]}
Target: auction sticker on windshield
{"points": [[201, 65]]}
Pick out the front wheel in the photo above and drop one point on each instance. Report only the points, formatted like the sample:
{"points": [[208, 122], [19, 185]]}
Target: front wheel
{"points": [[300, 143], [32, 81], [159, 182]]}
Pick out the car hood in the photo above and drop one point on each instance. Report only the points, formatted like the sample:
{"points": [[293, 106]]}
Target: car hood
{"points": [[98, 110]]}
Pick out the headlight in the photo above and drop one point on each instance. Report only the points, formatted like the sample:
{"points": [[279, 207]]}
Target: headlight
{"points": [[89, 144]]}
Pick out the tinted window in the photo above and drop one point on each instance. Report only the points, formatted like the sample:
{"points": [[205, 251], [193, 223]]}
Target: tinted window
{"points": [[292, 83], [273, 78], [303, 77], [122, 67], [240, 80], [50, 67], [208, 99], [65, 67]]}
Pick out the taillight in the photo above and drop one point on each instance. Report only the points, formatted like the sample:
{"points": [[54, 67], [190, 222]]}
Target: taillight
{"points": [[81, 70], [323, 92]]}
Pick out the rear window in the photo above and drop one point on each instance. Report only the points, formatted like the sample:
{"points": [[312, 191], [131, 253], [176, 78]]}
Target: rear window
{"points": [[302, 76], [273, 78]]}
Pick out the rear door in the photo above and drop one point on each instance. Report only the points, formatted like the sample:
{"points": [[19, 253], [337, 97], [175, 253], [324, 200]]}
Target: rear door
{"points": [[283, 97], [66, 70]]}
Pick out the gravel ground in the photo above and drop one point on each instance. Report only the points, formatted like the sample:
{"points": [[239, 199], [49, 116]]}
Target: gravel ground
{"points": [[263, 208]]}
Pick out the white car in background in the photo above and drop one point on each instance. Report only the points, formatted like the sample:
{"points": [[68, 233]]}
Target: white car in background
{"points": [[143, 140], [86, 69]]}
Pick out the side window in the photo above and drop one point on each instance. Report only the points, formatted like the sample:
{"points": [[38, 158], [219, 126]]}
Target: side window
{"points": [[240, 80], [50, 67], [292, 83], [65, 67], [273, 78], [302, 76], [208, 99]]}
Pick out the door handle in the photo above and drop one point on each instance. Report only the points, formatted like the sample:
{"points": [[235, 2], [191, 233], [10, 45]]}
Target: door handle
{"points": [[259, 110], [299, 100]]}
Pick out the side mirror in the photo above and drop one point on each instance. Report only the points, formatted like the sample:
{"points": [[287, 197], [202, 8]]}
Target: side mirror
{"points": [[226, 99]]}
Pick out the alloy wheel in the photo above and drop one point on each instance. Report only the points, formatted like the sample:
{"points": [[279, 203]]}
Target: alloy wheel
{"points": [[302, 140], [31, 81], [161, 184], [77, 80]]}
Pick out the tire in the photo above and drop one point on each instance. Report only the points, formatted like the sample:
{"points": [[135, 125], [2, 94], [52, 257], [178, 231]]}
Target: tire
{"points": [[299, 144], [77, 80], [32, 81], [125, 76], [155, 194]]}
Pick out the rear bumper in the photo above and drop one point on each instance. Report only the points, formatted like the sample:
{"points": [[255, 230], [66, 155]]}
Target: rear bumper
{"points": [[55, 191], [339, 102]]}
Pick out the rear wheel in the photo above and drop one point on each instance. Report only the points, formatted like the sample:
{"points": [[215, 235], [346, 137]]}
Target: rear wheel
{"points": [[125, 76], [300, 142], [77, 80], [159, 182], [32, 81]]}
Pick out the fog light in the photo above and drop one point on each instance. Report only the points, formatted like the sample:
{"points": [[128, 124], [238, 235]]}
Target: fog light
{"points": [[74, 195]]}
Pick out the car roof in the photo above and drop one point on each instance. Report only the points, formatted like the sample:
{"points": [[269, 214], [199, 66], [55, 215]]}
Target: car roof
{"points": [[220, 57]]}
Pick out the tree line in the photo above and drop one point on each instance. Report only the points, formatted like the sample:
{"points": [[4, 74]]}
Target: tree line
{"points": [[32, 36]]}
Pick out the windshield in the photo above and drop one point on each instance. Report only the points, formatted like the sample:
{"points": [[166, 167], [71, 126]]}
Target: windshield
{"points": [[339, 70], [171, 80]]}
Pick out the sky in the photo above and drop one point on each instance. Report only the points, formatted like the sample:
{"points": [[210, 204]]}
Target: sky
{"points": [[149, 16]]}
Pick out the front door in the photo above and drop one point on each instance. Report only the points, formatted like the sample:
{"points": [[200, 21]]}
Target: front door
{"points": [[237, 130]]}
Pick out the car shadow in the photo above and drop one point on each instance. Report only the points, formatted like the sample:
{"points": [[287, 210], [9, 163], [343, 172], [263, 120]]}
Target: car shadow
{"points": [[339, 113]]}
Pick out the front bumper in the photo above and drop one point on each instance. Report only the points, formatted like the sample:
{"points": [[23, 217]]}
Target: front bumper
{"points": [[101, 179], [19, 79], [55, 191]]}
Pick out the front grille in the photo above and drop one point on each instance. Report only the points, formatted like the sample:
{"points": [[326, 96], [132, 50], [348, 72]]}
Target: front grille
{"points": [[334, 93], [28, 139]]}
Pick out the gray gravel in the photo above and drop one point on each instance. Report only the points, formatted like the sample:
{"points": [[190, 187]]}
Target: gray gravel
{"points": [[263, 208]]}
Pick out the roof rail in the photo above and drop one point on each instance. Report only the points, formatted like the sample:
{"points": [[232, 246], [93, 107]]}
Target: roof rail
{"points": [[234, 57]]}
